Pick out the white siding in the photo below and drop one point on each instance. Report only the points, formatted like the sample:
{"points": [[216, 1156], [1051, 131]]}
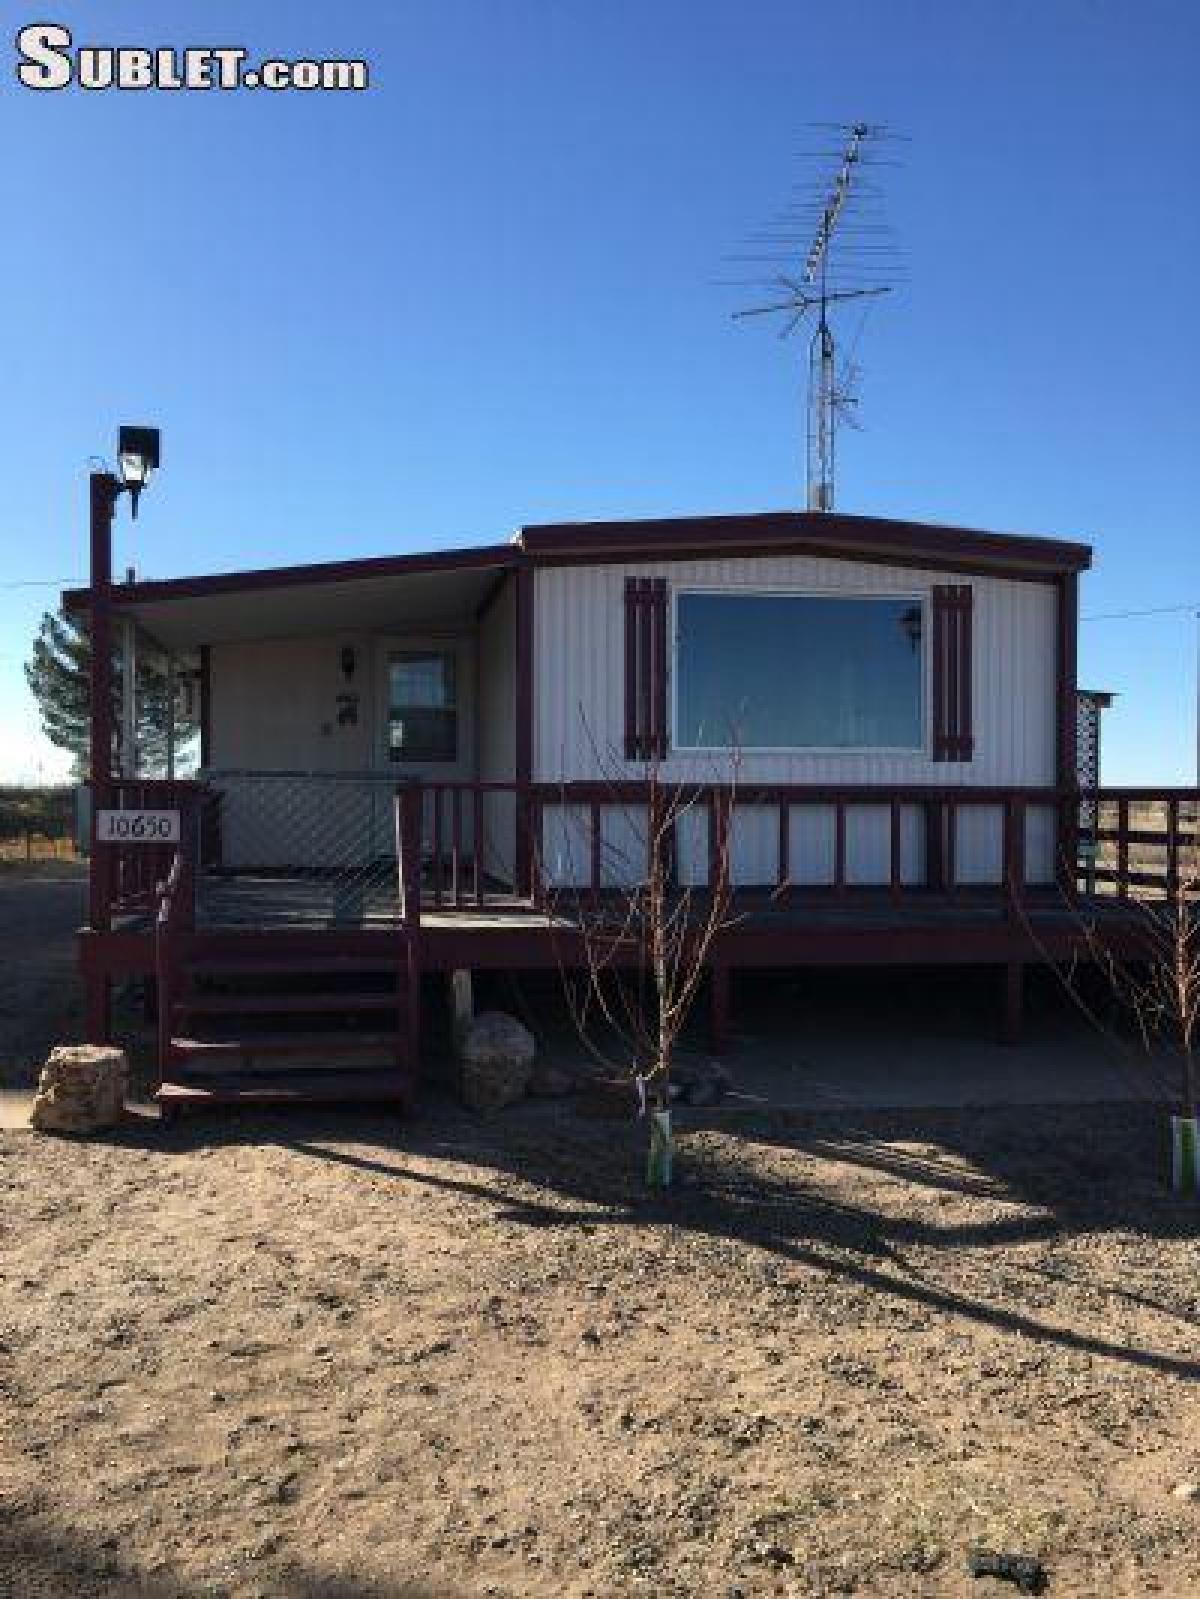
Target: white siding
{"points": [[579, 712], [274, 708], [274, 705]]}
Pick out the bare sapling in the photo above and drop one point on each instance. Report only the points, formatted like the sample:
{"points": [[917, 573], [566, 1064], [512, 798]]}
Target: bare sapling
{"points": [[634, 935], [1149, 959], [1156, 976]]}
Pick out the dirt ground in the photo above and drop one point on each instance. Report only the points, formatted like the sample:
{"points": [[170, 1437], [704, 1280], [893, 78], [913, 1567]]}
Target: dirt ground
{"points": [[338, 1355], [290, 1356], [40, 1002]]}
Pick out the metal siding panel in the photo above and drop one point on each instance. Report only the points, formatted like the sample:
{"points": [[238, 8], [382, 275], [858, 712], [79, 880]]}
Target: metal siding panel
{"points": [[579, 681]]}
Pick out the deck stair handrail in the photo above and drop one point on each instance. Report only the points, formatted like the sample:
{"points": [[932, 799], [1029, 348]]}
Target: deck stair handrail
{"points": [[174, 915], [131, 875]]}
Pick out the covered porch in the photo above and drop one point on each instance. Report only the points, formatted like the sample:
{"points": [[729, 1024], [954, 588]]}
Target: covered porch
{"points": [[311, 694]]}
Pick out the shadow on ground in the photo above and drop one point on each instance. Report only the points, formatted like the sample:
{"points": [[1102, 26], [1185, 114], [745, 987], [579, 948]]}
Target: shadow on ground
{"points": [[1044, 1177], [38, 1561]]}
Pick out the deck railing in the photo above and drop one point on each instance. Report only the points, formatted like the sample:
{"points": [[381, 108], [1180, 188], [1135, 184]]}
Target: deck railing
{"points": [[1139, 841], [373, 847], [126, 878]]}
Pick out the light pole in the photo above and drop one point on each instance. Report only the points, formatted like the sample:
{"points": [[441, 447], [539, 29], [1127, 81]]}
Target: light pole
{"points": [[138, 453]]}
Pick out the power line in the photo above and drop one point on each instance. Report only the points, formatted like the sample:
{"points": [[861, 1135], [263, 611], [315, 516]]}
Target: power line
{"points": [[1157, 610], [40, 582]]}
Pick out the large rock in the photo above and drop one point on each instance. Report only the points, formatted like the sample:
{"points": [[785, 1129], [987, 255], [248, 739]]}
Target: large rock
{"points": [[496, 1053], [81, 1090]]}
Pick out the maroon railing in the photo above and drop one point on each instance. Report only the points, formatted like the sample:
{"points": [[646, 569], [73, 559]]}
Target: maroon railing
{"points": [[1139, 839], [126, 877], [458, 845], [937, 811]]}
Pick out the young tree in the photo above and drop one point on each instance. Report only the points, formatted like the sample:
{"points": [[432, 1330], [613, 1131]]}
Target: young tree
{"points": [[646, 937], [57, 673], [1153, 974]]}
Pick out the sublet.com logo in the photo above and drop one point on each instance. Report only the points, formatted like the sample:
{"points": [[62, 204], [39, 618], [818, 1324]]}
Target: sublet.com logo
{"points": [[47, 58]]}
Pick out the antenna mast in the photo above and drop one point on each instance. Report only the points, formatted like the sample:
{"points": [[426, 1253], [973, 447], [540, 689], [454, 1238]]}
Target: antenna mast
{"points": [[828, 402]]}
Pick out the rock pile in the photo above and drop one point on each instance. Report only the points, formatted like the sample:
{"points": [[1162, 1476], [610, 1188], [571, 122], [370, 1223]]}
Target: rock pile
{"points": [[81, 1090], [496, 1060]]}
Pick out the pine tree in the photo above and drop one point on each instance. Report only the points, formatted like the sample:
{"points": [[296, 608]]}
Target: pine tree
{"points": [[57, 672]]}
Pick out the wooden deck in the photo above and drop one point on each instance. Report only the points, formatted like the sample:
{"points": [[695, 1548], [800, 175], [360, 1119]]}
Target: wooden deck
{"points": [[253, 902], [430, 908]]}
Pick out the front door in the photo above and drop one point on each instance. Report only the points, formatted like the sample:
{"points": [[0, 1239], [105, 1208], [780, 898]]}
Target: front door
{"points": [[427, 726]]}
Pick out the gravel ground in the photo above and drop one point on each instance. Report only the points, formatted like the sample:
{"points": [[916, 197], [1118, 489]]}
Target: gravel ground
{"points": [[40, 1001], [290, 1355]]}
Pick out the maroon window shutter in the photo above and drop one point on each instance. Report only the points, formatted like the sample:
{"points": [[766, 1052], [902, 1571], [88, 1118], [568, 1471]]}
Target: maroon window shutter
{"points": [[645, 668], [953, 732], [631, 673]]}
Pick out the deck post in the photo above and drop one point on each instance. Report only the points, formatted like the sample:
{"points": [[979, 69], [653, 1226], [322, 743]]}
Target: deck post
{"points": [[98, 1008], [104, 489], [935, 846], [172, 683], [1066, 754], [523, 731], [129, 749], [1013, 1027], [719, 1007]]}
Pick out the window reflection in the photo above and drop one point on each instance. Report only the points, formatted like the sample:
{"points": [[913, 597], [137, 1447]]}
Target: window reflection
{"points": [[798, 671], [422, 706]]}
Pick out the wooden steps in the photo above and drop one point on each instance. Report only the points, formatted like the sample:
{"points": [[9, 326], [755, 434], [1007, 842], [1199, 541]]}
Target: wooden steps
{"points": [[283, 1004], [198, 1051], [348, 1086], [290, 1022], [258, 966]]}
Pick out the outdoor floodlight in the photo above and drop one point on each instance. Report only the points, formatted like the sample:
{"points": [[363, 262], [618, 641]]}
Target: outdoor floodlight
{"points": [[138, 455]]}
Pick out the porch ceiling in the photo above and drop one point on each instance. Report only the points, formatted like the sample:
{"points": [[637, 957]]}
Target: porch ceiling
{"points": [[185, 619]]}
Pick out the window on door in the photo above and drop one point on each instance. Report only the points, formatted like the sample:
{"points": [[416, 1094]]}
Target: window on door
{"points": [[422, 706]]}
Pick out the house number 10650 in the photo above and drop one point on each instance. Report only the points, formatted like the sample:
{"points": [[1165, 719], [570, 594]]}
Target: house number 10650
{"points": [[137, 827]]}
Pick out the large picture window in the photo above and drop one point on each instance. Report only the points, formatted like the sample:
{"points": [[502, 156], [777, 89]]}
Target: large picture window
{"points": [[422, 706], [798, 671]]}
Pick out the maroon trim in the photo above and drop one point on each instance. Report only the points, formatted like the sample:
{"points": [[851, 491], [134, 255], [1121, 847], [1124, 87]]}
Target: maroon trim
{"points": [[631, 622], [872, 539], [951, 693], [529, 944], [833, 533], [103, 491], [523, 761], [966, 723], [645, 670], [1067, 773], [205, 704], [1066, 751], [494, 591], [935, 853], [272, 577], [950, 726]]}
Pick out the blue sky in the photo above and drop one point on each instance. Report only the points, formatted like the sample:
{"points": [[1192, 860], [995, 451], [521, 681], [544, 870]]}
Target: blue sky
{"points": [[483, 293]]}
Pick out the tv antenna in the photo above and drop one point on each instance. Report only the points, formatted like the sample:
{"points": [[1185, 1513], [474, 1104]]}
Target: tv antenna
{"points": [[864, 248]]}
